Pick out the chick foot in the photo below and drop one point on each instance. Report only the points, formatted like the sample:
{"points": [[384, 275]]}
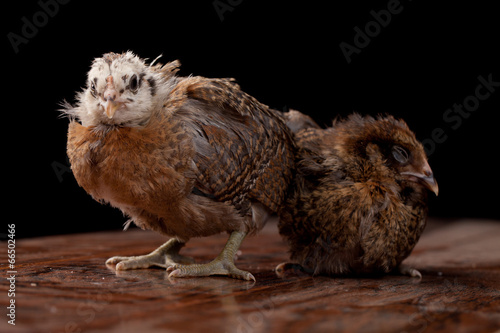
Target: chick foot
{"points": [[285, 267], [164, 256], [216, 267], [222, 265], [410, 271]]}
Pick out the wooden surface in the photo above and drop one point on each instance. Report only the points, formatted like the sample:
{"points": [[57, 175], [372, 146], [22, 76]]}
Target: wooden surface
{"points": [[63, 285]]}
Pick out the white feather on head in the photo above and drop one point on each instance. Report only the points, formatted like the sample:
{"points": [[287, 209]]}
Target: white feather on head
{"points": [[122, 90]]}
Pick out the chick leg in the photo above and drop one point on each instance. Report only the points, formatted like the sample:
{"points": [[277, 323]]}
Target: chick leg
{"points": [[164, 256], [222, 265]]}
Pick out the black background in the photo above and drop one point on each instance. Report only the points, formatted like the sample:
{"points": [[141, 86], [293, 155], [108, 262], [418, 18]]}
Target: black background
{"points": [[286, 54]]}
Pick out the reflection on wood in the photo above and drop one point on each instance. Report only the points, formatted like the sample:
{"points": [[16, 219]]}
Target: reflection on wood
{"points": [[63, 285]]}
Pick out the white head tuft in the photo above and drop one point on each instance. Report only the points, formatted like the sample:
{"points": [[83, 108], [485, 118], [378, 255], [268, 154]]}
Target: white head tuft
{"points": [[121, 90]]}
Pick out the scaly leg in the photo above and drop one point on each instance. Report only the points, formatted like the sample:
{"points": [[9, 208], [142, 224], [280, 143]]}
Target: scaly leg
{"points": [[222, 265], [164, 256]]}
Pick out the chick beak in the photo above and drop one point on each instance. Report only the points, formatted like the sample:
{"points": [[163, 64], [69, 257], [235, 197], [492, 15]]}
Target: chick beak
{"points": [[431, 183], [110, 107], [110, 95], [425, 177]]}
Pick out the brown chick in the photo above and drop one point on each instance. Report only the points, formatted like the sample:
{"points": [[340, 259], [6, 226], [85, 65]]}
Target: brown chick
{"points": [[183, 156], [359, 203]]}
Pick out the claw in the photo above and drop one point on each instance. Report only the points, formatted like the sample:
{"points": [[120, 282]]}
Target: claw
{"points": [[410, 271]]}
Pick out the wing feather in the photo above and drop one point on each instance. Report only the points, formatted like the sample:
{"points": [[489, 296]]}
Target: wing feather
{"points": [[244, 151]]}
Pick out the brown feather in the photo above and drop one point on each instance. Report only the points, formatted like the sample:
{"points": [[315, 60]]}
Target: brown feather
{"points": [[209, 161], [351, 210]]}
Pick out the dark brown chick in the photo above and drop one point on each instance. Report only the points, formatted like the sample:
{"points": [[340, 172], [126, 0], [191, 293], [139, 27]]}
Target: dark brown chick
{"points": [[183, 156], [360, 198]]}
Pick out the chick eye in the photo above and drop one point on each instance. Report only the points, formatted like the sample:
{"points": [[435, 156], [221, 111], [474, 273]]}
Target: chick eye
{"points": [[133, 84], [93, 88], [400, 154]]}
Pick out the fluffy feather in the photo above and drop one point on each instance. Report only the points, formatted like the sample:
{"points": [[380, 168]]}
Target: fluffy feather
{"points": [[184, 156], [359, 204]]}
